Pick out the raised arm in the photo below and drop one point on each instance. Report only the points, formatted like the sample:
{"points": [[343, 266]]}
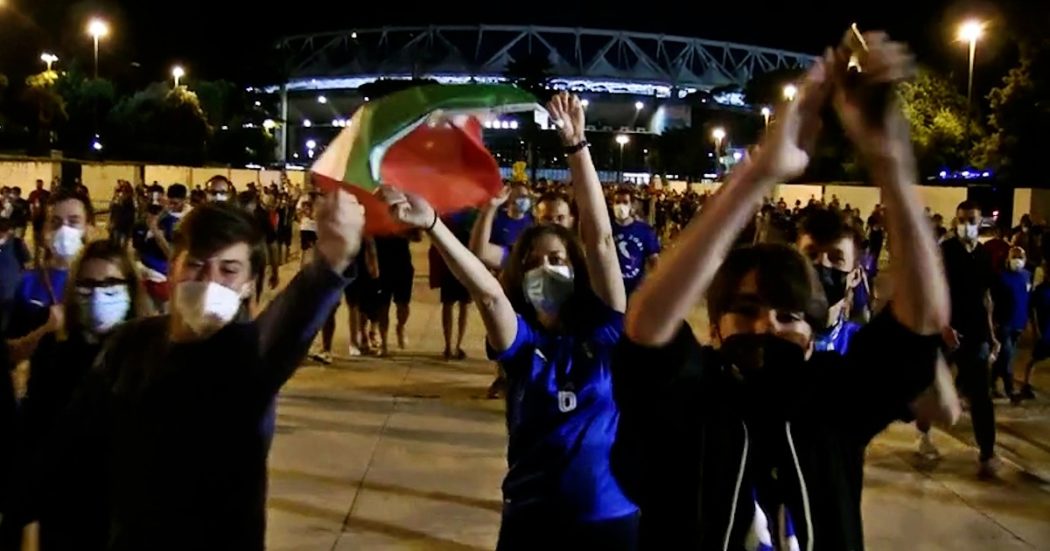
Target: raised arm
{"points": [[595, 227], [290, 323], [497, 314], [683, 275], [490, 254], [921, 300]]}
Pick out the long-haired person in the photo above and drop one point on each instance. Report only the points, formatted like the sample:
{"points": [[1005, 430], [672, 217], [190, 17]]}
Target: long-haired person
{"points": [[759, 439], [552, 325], [103, 291]]}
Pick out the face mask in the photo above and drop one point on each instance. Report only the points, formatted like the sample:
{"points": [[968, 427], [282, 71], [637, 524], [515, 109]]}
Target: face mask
{"points": [[834, 283], [622, 211], [104, 308], [67, 242], [769, 367], [218, 197], [206, 306], [523, 204], [548, 287], [966, 232], [1016, 264]]}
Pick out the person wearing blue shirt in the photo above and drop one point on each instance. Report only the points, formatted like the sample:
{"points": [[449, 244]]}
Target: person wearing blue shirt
{"points": [[499, 224], [1010, 316], [14, 258], [552, 325], [834, 247], [637, 245]]}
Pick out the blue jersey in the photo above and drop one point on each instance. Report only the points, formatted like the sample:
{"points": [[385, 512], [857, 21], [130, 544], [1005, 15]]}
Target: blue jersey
{"points": [[505, 230], [635, 243], [1011, 299], [837, 337], [34, 297], [562, 421]]}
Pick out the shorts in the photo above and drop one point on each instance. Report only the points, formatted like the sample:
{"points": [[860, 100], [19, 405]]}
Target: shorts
{"points": [[399, 286], [453, 291], [307, 238], [284, 237]]}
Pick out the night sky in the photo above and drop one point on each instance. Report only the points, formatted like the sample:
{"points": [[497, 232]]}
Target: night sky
{"points": [[231, 38]]}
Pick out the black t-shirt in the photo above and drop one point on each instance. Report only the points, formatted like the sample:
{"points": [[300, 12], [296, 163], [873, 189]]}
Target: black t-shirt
{"points": [[262, 217], [684, 431], [970, 278]]}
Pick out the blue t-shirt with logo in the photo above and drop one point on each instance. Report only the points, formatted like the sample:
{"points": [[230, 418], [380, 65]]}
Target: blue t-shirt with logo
{"points": [[635, 243], [562, 420], [1011, 302], [505, 230], [150, 253]]}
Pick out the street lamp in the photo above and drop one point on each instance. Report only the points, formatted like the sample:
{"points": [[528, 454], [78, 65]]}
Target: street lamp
{"points": [[584, 103], [970, 32], [48, 58], [718, 134], [97, 28], [790, 91], [622, 139], [177, 72], [638, 106], [766, 112]]}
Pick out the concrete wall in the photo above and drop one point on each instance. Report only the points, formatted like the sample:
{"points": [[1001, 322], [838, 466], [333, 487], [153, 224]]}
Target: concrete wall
{"points": [[707, 187], [942, 200], [101, 179], [24, 174], [241, 177], [1022, 204], [858, 197], [166, 175], [797, 192], [297, 178]]}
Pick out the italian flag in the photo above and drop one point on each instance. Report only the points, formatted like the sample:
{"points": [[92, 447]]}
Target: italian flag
{"points": [[425, 141]]}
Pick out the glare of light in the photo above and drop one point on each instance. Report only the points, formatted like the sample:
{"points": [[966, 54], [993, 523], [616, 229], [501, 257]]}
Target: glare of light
{"points": [[513, 125], [622, 139], [584, 103], [307, 123], [353, 35], [943, 174], [46, 57], [645, 151], [971, 31], [790, 91], [269, 124], [966, 174], [335, 122], [311, 145], [366, 98], [258, 103], [504, 125], [322, 99], [719, 133], [310, 153], [488, 124], [766, 112], [178, 72], [737, 155], [639, 105], [986, 174], [295, 155], [96, 145], [97, 28]]}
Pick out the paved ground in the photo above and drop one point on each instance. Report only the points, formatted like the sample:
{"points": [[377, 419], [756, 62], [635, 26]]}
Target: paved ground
{"points": [[405, 453]]}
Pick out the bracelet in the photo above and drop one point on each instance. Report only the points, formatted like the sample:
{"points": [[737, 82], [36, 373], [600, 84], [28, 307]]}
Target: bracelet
{"points": [[571, 149], [434, 223]]}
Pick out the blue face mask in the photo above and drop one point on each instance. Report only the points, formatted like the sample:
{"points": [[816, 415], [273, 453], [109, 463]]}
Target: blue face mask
{"points": [[102, 308], [523, 204]]}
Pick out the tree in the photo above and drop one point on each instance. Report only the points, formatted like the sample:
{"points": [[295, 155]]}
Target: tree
{"points": [[48, 107], [1020, 117], [937, 116], [161, 124]]}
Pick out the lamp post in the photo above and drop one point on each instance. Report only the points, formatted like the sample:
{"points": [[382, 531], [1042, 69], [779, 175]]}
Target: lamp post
{"points": [[790, 91], [718, 134], [766, 112], [622, 139], [48, 58], [97, 28], [177, 72], [970, 32]]}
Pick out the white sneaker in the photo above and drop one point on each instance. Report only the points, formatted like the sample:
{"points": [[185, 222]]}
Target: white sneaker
{"points": [[324, 358], [354, 351], [926, 446]]}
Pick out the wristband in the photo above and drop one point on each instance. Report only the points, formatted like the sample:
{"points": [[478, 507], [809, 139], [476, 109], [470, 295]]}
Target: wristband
{"points": [[571, 149], [434, 223]]}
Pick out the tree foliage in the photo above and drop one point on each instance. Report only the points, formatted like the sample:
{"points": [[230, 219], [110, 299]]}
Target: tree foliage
{"points": [[937, 116], [161, 124], [1020, 117]]}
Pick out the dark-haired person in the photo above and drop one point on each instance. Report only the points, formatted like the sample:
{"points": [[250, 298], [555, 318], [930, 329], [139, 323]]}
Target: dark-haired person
{"points": [[834, 247], [732, 446], [396, 279], [122, 214], [177, 206], [971, 335], [64, 493], [38, 200], [219, 189], [497, 228], [151, 239], [14, 260], [20, 213], [37, 309], [1011, 295], [637, 245], [552, 326], [179, 402], [252, 202]]}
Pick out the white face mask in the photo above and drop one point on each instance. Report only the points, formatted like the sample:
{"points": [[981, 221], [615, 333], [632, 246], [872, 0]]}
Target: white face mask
{"points": [[67, 242], [104, 308], [206, 306], [548, 287], [966, 232], [218, 197], [1016, 264], [621, 211]]}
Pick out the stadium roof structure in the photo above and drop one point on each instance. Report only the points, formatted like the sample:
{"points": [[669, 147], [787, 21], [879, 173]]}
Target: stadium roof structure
{"points": [[580, 59]]}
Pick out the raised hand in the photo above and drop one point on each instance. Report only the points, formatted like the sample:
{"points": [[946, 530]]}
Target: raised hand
{"points": [[501, 198], [340, 223], [567, 114], [408, 209], [784, 154], [884, 64]]}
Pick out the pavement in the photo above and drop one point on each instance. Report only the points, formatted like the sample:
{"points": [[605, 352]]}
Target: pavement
{"points": [[405, 453]]}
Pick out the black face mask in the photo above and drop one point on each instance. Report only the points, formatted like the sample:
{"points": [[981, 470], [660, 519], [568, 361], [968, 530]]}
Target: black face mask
{"points": [[770, 367], [834, 283]]}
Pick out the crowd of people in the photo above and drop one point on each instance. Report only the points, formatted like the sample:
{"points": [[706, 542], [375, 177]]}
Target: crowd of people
{"points": [[154, 365]]}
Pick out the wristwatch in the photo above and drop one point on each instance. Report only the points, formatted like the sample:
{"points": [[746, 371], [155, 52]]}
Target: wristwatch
{"points": [[571, 149]]}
